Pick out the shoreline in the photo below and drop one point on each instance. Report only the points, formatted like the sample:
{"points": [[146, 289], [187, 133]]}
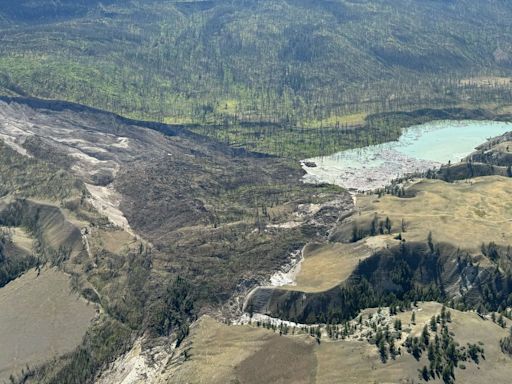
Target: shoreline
{"points": [[420, 148]]}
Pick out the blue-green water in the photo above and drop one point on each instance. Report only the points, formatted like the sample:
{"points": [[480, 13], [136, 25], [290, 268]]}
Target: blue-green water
{"points": [[444, 141], [419, 148]]}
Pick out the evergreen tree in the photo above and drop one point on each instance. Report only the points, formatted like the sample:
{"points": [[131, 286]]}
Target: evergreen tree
{"points": [[383, 352], [388, 225], [430, 242], [433, 324], [424, 374], [425, 336]]}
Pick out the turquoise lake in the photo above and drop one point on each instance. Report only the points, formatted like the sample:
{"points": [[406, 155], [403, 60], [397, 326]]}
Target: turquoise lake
{"points": [[419, 148]]}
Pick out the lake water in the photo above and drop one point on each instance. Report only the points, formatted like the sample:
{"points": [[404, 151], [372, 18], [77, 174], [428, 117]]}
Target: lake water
{"points": [[419, 148]]}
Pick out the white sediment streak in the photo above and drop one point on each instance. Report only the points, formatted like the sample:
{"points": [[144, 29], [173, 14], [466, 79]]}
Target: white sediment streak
{"points": [[106, 200], [288, 273], [264, 319]]}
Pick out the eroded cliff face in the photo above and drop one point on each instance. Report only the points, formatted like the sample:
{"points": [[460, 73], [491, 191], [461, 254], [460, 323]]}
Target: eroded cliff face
{"points": [[395, 275]]}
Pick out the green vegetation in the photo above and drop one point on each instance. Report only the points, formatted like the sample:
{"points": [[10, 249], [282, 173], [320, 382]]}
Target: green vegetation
{"points": [[287, 140], [276, 76]]}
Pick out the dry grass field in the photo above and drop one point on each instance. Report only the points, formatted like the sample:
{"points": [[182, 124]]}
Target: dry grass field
{"points": [[326, 266], [466, 213], [243, 354], [219, 353], [505, 147], [39, 318]]}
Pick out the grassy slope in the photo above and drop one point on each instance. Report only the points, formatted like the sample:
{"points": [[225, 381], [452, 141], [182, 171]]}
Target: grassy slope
{"points": [[237, 352], [327, 265], [464, 214], [218, 351], [41, 318]]}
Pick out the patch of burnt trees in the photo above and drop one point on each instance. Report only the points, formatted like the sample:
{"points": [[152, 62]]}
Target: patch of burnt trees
{"points": [[173, 311]]}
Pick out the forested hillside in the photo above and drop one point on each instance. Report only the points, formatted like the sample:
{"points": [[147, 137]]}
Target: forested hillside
{"points": [[299, 62]]}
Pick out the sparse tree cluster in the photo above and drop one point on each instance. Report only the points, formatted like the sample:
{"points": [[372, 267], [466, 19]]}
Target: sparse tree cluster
{"points": [[443, 353]]}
